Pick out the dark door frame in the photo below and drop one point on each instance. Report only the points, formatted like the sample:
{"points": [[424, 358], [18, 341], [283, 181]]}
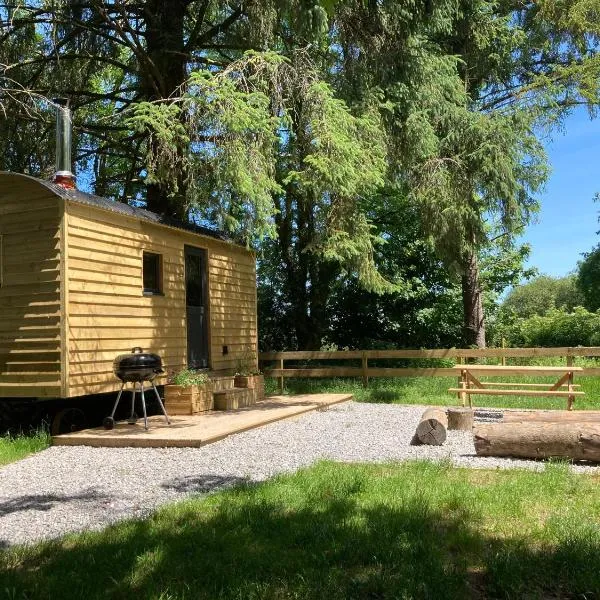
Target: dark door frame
{"points": [[202, 345]]}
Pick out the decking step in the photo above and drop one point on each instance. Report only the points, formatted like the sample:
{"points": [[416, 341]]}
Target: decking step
{"points": [[234, 398], [222, 382]]}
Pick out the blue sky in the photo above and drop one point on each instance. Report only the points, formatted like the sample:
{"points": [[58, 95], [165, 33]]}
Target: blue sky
{"points": [[568, 220]]}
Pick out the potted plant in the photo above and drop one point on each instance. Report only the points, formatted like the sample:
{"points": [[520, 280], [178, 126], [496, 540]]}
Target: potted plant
{"points": [[248, 375], [188, 392]]}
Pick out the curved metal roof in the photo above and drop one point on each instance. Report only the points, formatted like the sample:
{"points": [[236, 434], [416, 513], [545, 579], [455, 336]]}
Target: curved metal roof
{"points": [[124, 209]]}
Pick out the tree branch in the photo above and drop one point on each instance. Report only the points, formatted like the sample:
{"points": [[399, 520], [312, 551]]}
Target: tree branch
{"points": [[193, 39], [221, 27]]}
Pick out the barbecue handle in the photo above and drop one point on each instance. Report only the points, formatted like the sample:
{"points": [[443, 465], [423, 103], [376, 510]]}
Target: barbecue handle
{"points": [[137, 350]]}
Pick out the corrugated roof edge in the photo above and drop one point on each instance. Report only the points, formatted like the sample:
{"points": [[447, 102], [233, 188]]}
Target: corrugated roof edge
{"points": [[125, 209]]}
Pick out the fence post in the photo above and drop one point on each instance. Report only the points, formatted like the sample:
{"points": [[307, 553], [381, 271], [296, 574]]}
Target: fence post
{"points": [[461, 361], [365, 369], [569, 360], [281, 376], [503, 358]]}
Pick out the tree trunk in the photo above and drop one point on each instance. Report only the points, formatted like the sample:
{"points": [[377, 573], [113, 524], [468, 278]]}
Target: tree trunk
{"points": [[431, 430], [310, 305], [460, 419], [303, 287], [163, 73], [473, 324], [551, 416], [579, 441], [308, 277]]}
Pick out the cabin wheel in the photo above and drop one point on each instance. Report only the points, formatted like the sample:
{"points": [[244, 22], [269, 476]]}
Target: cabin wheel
{"points": [[68, 420]]}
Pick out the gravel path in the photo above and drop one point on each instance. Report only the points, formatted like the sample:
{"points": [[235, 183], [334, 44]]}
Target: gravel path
{"points": [[71, 488]]}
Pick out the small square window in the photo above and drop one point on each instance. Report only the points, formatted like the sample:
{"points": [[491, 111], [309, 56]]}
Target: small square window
{"points": [[152, 273]]}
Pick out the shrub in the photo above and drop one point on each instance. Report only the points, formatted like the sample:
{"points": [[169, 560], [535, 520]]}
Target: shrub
{"points": [[556, 328], [189, 377]]}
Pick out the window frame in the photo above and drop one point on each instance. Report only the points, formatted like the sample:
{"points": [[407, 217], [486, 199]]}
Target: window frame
{"points": [[159, 290], [1, 260]]}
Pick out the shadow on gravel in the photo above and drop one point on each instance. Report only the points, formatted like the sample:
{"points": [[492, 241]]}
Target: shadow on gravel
{"points": [[330, 532], [45, 502], [202, 483]]}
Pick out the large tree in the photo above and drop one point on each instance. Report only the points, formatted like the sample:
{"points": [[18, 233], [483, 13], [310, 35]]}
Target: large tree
{"points": [[106, 57], [179, 99], [523, 65], [588, 279], [541, 295], [279, 121], [466, 98]]}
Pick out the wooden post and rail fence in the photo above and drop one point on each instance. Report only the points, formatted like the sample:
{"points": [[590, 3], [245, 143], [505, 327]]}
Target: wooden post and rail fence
{"points": [[365, 372]]}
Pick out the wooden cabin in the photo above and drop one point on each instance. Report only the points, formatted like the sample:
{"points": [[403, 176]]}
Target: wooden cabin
{"points": [[83, 279]]}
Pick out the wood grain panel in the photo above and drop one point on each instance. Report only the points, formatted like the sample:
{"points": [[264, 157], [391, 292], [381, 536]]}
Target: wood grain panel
{"points": [[9, 207], [167, 352], [31, 324], [85, 299], [13, 367], [108, 314], [30, 316], [129, 320], [38, 390]]}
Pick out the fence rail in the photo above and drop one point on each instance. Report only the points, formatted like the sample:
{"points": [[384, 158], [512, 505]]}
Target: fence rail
{"points": [[365, 372]]}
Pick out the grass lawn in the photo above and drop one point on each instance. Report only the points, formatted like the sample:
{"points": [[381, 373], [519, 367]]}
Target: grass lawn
{"points": [[16, 447], [413, 530], [434, 390]]}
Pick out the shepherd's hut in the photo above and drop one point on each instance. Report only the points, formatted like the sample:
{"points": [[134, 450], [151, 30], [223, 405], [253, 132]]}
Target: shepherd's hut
{"points": [[83, 279]]}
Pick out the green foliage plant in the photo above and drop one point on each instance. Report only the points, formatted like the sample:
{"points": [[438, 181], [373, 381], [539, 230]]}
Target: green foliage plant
{"points": [[189, 378], [279, 121], [542, 294], [246, 364], [588, 279], [556, 328], [465, 121]]}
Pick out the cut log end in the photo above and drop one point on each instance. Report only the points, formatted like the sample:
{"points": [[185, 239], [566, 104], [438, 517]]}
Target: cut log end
{"points": [[460, 419], [432, 428]]}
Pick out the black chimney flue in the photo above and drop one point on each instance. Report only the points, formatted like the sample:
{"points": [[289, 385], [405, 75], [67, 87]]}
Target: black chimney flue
{"points": [[63, 175]]}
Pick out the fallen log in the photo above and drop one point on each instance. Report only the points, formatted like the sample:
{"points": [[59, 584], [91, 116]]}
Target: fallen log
{"points": [[431, 430], [460, 418], [550, 416], [576, 440]]}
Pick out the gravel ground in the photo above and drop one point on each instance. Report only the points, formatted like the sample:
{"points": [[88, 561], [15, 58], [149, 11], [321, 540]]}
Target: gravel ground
{"points": [[65, 489]]}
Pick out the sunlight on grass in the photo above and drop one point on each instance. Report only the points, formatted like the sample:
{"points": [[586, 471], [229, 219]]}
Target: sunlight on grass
{"points": [[13, 448], [434, 390], [412, 530]]}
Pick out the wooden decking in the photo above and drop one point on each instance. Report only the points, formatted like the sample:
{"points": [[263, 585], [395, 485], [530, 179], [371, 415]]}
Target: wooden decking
{"points": [[199, 430]]}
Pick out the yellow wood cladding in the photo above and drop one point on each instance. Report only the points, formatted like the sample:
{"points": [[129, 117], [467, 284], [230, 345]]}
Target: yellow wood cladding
{"points": [[108, 313], [71, 293], [30, 308]]}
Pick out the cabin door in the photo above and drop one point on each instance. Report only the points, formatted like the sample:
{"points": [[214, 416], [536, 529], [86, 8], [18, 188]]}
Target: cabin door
{"points": [[196, 307]]}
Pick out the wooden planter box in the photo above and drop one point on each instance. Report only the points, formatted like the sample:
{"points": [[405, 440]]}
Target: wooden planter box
{"points": [[180, 400], [255, 382]]}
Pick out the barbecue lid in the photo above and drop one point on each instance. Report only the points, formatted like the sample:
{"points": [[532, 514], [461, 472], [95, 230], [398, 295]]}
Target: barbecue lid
{"points": [[138, 359]]}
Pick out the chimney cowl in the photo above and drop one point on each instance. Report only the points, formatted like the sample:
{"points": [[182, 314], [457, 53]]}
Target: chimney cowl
{"points": [[63, 175]]}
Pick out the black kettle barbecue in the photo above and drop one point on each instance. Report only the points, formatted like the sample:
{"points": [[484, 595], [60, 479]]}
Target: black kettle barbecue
{"points": [[137, 368]]}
